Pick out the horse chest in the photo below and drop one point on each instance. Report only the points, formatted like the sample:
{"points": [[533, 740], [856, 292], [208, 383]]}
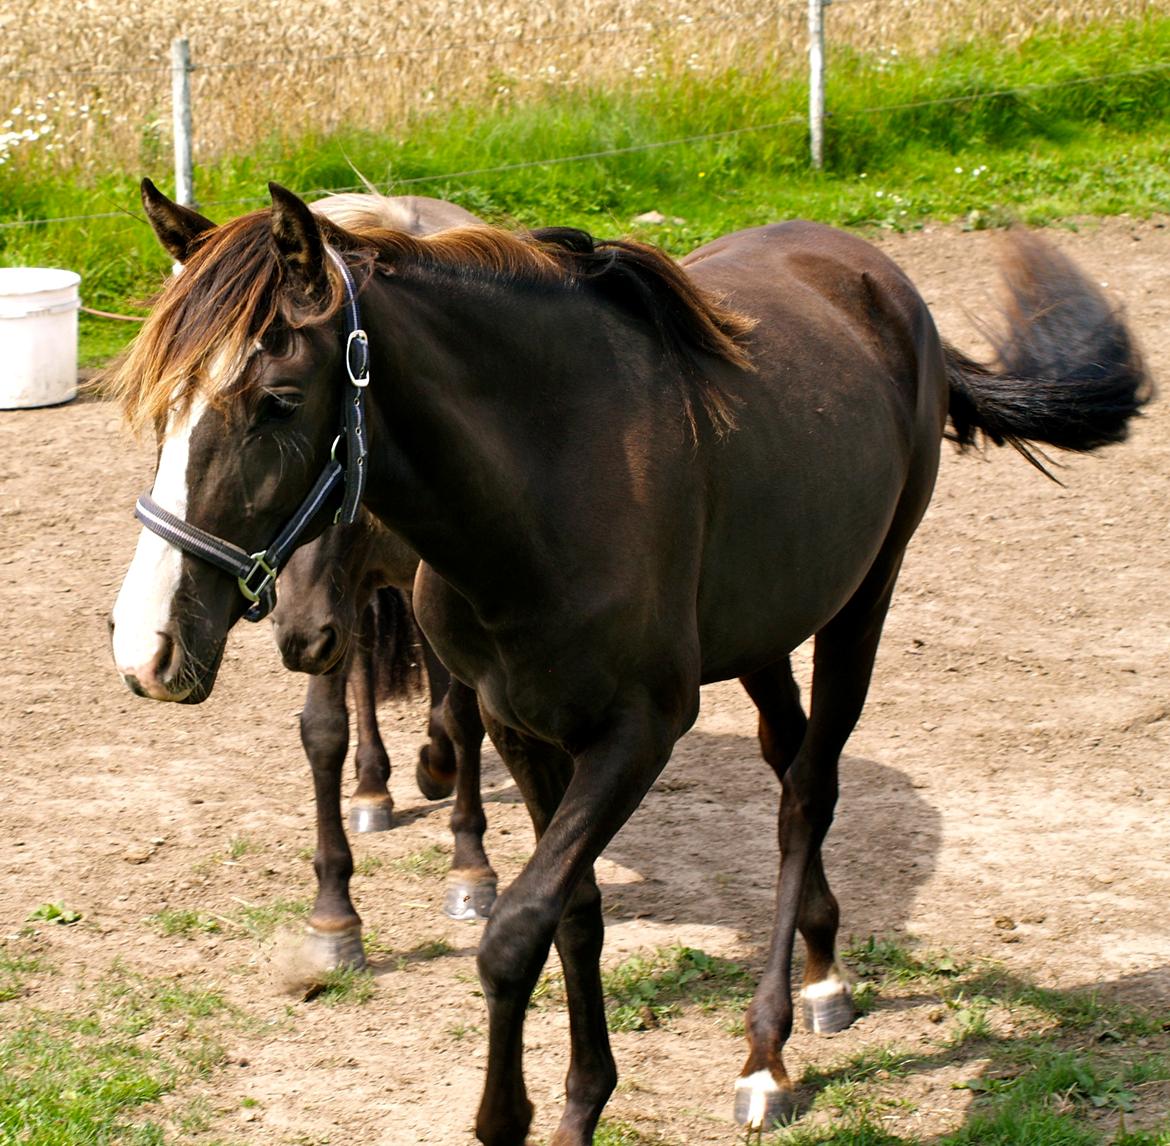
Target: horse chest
{"points": [[524, 676]]}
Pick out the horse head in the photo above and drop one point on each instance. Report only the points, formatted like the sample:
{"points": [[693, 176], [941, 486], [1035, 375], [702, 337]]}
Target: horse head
{"points": [[241, 369], [321, 589]]}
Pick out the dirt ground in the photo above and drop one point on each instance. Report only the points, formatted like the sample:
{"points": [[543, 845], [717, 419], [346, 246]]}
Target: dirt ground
{"points": [[1013, 761]]}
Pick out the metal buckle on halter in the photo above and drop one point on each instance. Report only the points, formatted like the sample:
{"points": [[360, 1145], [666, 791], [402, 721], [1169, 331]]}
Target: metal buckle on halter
{"points": [[361, 376], [259, 563]]}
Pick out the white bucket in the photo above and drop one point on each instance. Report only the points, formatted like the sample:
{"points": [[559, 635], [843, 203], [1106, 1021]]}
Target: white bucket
{"points": [[38, 336]]}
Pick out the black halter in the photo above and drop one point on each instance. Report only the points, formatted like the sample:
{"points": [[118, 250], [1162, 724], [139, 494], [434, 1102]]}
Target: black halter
{"points": [[256, 572]]}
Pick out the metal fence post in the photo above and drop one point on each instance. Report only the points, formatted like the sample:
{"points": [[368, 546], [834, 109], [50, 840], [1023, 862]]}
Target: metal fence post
{"points": [[181, 113], [816, 81]]}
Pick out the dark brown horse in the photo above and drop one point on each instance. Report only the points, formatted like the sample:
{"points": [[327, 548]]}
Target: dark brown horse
{"points": [[624, 478], [341, 616]]}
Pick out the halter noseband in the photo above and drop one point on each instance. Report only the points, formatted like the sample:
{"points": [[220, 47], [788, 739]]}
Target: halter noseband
{"points": [[256, 572]]}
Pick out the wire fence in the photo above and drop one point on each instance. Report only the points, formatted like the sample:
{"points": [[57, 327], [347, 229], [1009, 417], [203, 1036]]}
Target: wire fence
{"points": [[743, 19]]}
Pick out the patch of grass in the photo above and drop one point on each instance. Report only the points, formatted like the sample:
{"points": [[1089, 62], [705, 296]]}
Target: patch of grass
{"points": [[368, 865], [13, 969], [427, 863], [614, 1132], [430, 949], [184, 922], [894, 962], [260, 920], [240, 846], [79, 1077], [866, 1065], [461, 1031], [346, 986], [645, 991], [1044, 1066]]}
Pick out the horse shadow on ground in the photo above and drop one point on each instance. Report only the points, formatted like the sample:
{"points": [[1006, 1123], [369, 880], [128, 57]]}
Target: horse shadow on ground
{"points": [[701, 851], [704, 843], [702, 847]]}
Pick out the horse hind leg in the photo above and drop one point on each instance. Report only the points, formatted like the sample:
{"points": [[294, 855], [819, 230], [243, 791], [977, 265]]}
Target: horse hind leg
{"points": [[825, 997], [437, 759], [842, 666], [371, 807]]}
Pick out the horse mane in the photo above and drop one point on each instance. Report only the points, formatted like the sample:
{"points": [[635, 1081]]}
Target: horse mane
{"points": [[690, 323], [230, 294], [208, 319]]}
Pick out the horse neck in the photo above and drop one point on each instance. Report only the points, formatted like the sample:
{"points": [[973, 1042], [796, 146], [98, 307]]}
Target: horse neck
{"points": [[484, 398]]}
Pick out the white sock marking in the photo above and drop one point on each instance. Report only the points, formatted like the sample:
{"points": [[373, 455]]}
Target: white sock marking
{"points": [[761, 1084]]}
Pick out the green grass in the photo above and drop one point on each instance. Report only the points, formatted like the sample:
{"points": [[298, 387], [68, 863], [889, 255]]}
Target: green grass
{"points": [[80, 1076], [345, 986], [427, 863], [614, 1132], [1043, 1067], [1054, 148], [368, 865], [187, 923], [646, 991], [260, 920], [15, 968]]}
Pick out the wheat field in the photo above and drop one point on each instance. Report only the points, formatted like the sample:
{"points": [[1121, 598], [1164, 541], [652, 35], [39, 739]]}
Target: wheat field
{"points": [[87, 86]]}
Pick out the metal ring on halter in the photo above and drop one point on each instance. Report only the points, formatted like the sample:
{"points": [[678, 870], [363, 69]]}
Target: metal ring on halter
{"points": [[361, 376]]}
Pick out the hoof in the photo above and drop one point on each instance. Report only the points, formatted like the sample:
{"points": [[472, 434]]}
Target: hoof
{"points": [[432, 786], [372, 816], [469, 897], [761, 1104], [327, 951], [827, 1007]]}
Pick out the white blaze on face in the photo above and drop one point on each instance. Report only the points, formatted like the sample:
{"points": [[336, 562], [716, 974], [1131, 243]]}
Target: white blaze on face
{"points": [[143, 608]]}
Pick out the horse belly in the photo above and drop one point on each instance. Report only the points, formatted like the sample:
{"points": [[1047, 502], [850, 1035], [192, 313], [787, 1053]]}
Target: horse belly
{"points": [[799, 524]]}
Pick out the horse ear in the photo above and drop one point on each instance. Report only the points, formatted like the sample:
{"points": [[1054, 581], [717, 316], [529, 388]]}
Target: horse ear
{"points": [[298, 241], [178, 228]]}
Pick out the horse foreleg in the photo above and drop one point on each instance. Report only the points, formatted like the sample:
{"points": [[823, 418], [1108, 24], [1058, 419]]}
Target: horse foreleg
{"points": [[335, 928], [437, 759], [371, 807], [471, 882], [576, 807], [842, 666], [826, 1005]]}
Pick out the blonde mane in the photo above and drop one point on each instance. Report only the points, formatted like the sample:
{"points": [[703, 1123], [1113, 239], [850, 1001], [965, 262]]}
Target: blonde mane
{"points": [[231, 292]]}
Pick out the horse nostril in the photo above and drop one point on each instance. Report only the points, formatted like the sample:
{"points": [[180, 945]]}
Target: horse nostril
{"points": [[325, 650], [167, 659]]}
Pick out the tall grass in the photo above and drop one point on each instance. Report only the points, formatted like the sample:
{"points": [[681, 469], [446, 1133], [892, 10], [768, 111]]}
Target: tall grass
{"points": [[94, 77], [983, 131]]}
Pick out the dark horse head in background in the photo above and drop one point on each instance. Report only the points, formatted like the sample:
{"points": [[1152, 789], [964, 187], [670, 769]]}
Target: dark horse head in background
{"points": [[624, 479]]}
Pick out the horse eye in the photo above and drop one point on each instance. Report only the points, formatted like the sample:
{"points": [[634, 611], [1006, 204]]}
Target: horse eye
{"points": [[277, 407]]}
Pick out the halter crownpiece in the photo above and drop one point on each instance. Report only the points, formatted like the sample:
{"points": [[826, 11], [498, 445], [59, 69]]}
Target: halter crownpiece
{"points": [[255, 573]]}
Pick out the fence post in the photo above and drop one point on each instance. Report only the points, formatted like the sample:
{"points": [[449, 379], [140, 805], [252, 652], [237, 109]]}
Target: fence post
{"points": [[816, 81], [181, 113]]}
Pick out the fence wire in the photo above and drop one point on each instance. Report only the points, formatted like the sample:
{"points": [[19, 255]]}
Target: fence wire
{"points": [[608, 153]]}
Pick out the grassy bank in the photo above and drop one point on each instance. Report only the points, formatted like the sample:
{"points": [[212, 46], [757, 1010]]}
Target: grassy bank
{"points": [[1061, 125]]}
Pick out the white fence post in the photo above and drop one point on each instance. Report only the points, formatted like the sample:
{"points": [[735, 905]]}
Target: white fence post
{"points": [[816, 81], [181, 112]]}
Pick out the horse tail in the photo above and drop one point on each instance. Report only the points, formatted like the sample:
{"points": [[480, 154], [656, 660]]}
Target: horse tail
{"points": [[1067, 371], [396, 650]]}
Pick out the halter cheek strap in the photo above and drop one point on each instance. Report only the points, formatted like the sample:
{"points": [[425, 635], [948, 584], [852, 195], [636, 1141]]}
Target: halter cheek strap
{"points": [[256, 572]]}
